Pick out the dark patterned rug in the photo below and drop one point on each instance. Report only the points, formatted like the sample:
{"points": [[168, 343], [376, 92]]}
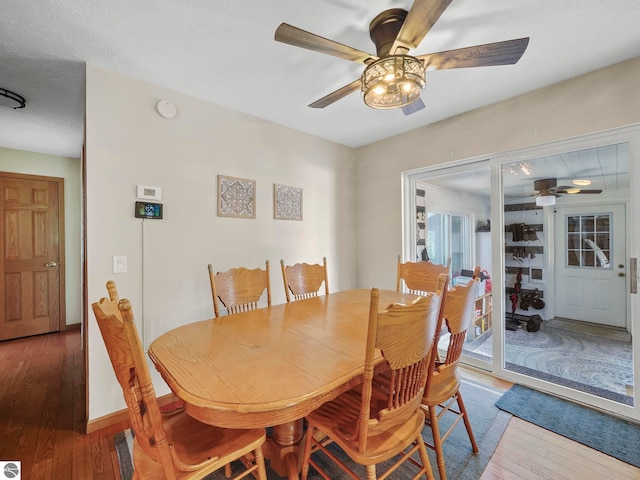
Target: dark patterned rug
{"points": [[488, 423], [594, 364]]}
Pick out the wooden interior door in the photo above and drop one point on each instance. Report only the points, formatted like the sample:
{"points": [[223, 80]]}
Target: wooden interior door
{"points": [[31, 265]]}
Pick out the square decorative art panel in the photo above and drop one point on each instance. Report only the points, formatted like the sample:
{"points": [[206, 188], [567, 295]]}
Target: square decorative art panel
{"points": [[236, 197], [287, 202]]}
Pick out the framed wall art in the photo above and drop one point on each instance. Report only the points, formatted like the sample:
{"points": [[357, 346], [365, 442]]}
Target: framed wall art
{"points": [[287, 202], [236, 197]]}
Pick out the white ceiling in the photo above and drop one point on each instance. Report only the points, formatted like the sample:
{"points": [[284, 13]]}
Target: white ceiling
{"points": [[223, 51], [607, 168]]}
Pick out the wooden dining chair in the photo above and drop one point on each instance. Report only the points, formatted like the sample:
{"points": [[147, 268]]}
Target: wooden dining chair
{"points": [[239, 289], [420, 277], [442, 391], [303, 280], [175, 445], [375, 423]]}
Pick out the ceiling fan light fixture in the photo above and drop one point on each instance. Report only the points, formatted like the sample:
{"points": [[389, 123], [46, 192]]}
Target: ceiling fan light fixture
{"points": [[392, 82], [545, 201], [581, 182], [10, 99], [572, 190]]}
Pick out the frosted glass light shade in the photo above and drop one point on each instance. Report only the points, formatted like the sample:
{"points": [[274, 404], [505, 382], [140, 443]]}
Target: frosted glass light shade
{"points": [[393, 81], [545, 201]]}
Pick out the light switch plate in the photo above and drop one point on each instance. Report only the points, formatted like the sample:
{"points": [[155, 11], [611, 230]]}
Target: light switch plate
{"points": [[120, 264]]}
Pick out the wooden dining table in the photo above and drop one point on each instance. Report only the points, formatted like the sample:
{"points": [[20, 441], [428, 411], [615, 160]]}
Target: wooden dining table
{"points": [[272, 366]]}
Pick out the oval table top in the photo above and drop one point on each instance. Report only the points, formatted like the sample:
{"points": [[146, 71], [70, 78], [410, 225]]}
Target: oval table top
{"points": [[272, 365]]}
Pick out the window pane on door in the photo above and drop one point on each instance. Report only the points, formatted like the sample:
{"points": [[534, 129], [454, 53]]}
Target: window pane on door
{"points": [[589, 240]]}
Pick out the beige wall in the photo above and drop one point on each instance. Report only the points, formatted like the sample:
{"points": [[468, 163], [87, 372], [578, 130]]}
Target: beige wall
{"points": [[594, 102], [31, 163], [128, 144]]}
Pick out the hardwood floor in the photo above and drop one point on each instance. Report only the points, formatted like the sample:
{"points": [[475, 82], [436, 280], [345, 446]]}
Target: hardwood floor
{"points": [[42, 419], [528, 452], [42, 411]]}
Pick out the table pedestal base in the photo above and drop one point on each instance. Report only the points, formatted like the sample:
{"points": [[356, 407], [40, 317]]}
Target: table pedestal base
{"points": [[284, 449]]}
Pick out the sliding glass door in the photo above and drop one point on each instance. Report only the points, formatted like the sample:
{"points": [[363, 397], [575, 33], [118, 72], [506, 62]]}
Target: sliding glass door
{"points": [[551, 227], [566, 267]]}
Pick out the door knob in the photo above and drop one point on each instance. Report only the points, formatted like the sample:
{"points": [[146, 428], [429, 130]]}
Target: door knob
{"points": [[51, 264], [621, 274]]}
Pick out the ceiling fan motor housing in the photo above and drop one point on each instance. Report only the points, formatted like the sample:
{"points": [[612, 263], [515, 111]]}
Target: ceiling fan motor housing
{"points": [[384, 29], [543, 186]]}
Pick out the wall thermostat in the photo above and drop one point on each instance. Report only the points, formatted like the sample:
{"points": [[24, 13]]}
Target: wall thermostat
{"points": [[148, 210], [148, 192]]}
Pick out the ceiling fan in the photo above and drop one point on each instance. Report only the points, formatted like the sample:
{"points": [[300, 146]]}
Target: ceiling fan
{"points": [[549, 186], [392, 78], [548, 190]]}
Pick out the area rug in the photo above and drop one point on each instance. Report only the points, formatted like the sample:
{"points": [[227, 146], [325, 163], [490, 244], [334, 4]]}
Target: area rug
{"points": [[488, 423], [592, 364], [605, 433]]}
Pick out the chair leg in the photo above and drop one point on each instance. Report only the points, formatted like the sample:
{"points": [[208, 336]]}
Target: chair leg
{"points": [[306, 454], [371, 472], [424, 457], [467, 423], [262, 470], [437, 441]]}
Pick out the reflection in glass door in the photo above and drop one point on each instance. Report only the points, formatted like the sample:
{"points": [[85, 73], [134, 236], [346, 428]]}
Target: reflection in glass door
{"points": [[451, 225], [557, 223], [566, 293]]}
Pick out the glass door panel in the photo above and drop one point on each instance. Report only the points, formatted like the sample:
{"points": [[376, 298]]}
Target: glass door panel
{"points": [[570, 274], [451, 224]]}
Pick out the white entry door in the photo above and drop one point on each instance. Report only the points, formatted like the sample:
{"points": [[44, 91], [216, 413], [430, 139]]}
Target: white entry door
{"points": [[590, 264]]}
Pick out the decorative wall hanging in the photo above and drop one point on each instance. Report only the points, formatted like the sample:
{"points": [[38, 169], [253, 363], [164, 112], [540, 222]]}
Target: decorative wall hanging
{"points": [[287, 202], [236, 197]]}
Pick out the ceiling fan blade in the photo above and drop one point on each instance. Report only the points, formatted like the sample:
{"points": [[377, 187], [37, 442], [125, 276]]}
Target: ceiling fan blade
{"points": [[413, 107], [564, 189], [297, 37], [422, 16], [507, 52], [337, 95]]}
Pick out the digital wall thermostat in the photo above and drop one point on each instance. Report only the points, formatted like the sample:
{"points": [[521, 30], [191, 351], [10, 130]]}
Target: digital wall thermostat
{"points": [[148, 210]]}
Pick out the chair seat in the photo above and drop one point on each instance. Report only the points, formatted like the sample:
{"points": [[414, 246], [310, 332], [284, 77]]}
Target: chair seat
{"points": [[442, 388], [380, 447], [195, 443]]}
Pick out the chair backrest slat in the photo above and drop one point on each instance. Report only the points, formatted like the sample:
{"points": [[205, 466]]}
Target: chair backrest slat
{"points": [[458, 315], [239, 289], [303, 280], [420, 277]]}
